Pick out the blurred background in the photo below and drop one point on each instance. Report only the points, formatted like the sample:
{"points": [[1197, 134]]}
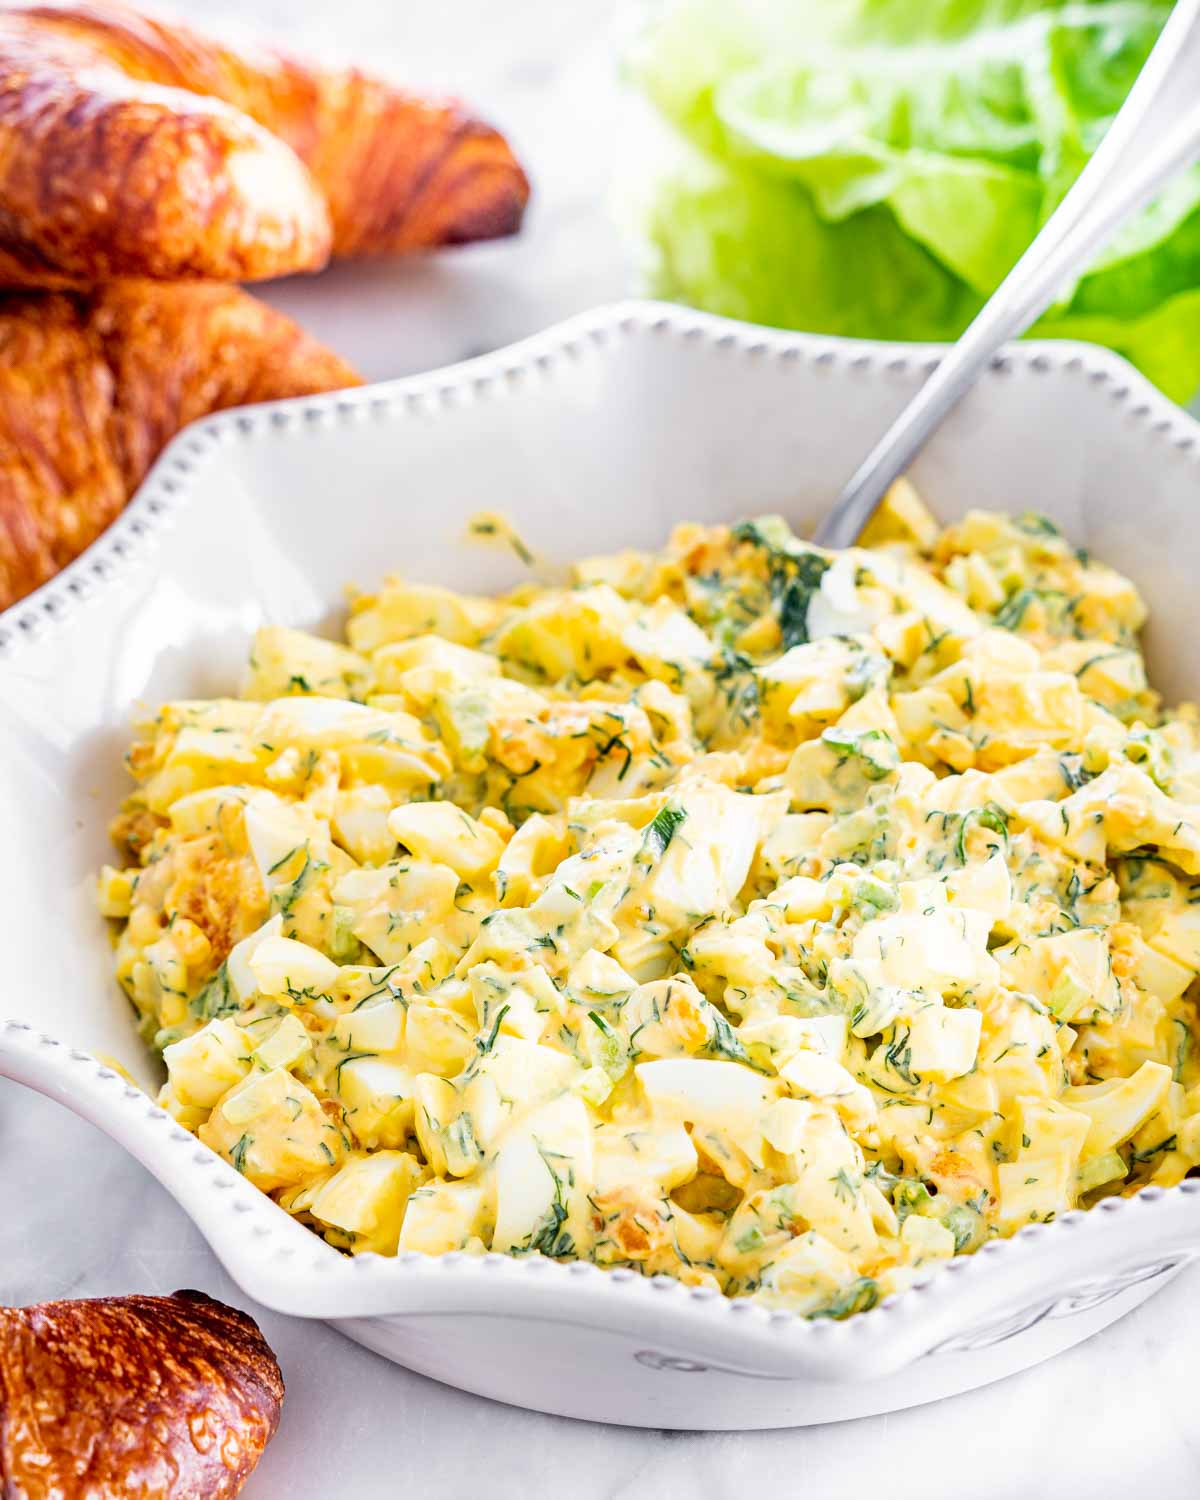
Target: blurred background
{"points": [[866, 167]]}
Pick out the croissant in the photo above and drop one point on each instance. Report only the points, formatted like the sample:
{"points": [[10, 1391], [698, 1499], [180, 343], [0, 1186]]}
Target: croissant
{"points": [[136, 147], [128, 1398], [92, 386]]}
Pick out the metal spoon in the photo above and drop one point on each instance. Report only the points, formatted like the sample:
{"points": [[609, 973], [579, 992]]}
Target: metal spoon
{"points": [[1155, 135]]}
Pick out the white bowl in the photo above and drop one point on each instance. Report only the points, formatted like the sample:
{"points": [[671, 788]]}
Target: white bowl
{"points": [[597, 434]]}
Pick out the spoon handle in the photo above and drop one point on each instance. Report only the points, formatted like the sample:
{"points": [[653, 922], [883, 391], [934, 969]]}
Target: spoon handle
{"points": [[1155, 135]]}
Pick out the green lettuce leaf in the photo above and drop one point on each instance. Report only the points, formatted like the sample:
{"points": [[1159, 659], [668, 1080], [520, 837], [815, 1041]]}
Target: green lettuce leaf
{"points": [[755, 247], [875, 167]]}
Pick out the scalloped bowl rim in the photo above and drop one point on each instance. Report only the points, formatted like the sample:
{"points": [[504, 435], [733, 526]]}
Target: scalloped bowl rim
{"points": [[165, 486], [265, 1254]]}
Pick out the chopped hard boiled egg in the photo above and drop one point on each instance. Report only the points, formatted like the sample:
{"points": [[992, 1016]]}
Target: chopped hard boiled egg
{"points": [[782, 921]]}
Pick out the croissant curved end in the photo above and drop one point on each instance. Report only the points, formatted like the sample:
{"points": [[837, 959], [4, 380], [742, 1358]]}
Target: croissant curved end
{"points": [[113, 1396]]}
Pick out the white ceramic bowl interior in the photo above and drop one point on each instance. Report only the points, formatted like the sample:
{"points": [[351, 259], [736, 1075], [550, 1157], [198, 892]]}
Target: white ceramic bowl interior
{"points": [[599, 434]]}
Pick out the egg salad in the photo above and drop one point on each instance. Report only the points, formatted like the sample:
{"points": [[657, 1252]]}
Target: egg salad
{"points": [[779, 920]]}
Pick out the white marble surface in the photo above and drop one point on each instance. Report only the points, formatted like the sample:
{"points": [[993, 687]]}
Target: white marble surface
{"points": [[79, 1218]]}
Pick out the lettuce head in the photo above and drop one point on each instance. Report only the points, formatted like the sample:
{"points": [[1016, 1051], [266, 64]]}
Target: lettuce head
{"points": [[874, 168]]}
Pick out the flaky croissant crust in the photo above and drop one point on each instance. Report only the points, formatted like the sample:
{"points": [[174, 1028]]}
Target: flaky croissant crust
{"points": [[128, 1398], [92, 387], [104, 175], [136, 147]]}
